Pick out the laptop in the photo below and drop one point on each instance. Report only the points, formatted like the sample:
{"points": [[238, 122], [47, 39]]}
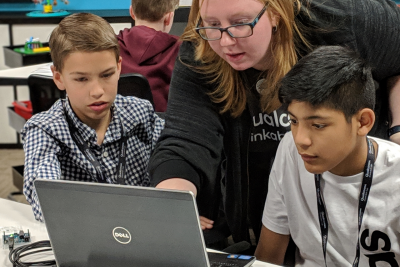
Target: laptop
{"points": [[96, 225]]}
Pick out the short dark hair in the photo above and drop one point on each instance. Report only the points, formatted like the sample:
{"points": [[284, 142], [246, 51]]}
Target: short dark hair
{"points": [[330, 76]]}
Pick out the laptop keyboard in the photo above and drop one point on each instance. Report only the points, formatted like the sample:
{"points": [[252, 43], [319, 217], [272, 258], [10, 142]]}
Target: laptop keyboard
{"points": [[229, 260], [224, 264]]}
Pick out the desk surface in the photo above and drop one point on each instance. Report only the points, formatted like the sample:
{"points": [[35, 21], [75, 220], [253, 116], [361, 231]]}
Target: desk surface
{"points": [[14, 214], [18, 76]]}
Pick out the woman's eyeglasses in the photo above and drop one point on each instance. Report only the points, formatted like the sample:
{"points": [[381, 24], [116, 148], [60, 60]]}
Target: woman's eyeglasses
{"points": [[235, 31]]}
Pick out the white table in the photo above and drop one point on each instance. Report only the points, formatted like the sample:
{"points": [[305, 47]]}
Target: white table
{"points": [[14, 214], [18, 76]]}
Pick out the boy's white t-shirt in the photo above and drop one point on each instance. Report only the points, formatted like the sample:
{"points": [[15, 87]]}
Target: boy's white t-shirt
{"points": [[291, 208]]}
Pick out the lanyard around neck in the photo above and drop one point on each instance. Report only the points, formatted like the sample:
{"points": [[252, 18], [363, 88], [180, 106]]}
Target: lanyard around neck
{"points": [[84, 148], [362, 202]]}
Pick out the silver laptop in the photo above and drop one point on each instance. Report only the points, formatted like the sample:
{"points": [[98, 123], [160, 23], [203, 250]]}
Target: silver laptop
{"points": [[92, 224]]}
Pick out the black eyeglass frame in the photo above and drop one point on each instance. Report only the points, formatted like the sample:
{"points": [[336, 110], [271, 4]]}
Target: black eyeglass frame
{"points": [[222, 30]]}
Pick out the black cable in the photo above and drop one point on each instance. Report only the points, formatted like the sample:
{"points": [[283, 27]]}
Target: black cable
{"points": [[15, 256]]}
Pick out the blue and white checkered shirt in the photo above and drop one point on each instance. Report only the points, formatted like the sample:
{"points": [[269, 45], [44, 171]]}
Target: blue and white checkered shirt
{"points": [[51, 153]]}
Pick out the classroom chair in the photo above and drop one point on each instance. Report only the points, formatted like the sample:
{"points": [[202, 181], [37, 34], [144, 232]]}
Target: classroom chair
{"points": [[43, 92], [135, 84]]}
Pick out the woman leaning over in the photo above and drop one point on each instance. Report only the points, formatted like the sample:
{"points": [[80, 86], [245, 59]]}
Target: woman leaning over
{"points": [[224, 121]]}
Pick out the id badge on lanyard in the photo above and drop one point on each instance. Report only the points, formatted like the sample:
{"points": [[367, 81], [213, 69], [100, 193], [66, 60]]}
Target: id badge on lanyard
{"points": [[362, 202], [83, 147]]}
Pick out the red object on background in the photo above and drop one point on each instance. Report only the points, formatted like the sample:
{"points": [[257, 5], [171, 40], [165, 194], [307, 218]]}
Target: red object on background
{"points": [[23, 108]]}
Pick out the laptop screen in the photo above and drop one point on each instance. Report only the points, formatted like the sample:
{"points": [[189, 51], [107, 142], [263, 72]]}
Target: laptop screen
{"points": [[92, 224]]}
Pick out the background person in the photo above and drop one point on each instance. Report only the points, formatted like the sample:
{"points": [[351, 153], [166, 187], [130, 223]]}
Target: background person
{"points": [[148, 49]]}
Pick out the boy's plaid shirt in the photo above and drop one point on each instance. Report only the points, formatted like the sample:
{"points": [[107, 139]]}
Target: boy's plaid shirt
{"points": [[50, 152]]}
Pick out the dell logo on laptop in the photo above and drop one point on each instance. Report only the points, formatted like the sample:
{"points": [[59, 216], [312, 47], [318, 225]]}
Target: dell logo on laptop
{"points": [[122, 235]]}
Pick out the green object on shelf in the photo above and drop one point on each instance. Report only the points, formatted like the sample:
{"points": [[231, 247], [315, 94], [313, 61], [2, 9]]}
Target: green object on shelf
{"points": [[22, 50], [29, 51]]}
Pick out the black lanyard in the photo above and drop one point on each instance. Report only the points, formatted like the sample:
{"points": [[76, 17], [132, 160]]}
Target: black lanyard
{"points": [[83, 147], [362, 202]]}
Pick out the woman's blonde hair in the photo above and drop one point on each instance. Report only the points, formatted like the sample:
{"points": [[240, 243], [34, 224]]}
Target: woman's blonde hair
{"points": [[231, 90]]}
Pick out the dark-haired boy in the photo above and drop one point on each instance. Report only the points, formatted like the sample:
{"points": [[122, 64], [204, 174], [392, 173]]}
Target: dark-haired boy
{"points": [[94, 135], [148, 49], [331, 185]]}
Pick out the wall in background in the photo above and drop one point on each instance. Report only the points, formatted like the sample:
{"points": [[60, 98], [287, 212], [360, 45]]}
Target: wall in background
{"points": [[73, 5]]}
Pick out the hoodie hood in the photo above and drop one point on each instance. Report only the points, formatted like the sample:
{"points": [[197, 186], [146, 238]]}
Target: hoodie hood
{"points": [[145, 45], [151, 53]]}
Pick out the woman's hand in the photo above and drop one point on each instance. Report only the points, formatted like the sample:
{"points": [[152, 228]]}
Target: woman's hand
{"points": [[178, 184], [206, 223]]}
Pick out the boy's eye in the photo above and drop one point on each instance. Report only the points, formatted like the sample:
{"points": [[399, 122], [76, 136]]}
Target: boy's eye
{"points": [[107, 75], [81, 79], [292, 121], [319, 126]]}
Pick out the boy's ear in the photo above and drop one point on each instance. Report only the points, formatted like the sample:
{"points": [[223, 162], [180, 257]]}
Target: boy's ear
{"points": [[131, 13], [366, 120], [119, 65], [169, 18], [57, 78]]}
